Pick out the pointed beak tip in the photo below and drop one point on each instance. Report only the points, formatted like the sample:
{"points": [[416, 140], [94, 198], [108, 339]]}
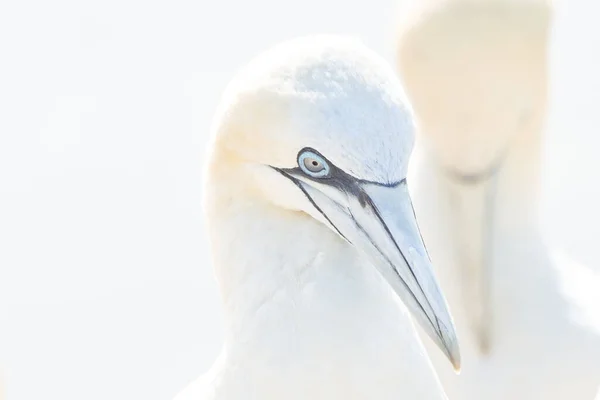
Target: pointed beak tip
{"points": [[447, 338], [452, 352], [456, 364]]}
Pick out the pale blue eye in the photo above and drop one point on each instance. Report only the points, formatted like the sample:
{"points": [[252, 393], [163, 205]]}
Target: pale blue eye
{"points": [[313, 164]]}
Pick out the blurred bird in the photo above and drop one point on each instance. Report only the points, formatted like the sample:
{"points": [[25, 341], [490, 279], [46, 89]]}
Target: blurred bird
{"points": [[476, 73], [313, 234]]}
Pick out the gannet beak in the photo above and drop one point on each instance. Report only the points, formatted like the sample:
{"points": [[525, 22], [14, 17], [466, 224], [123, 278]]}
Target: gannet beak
{"points": [[379, 220], [392, 238]]}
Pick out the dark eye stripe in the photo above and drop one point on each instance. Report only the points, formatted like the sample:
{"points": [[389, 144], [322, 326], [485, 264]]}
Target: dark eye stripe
{"points": [[334, 176]]}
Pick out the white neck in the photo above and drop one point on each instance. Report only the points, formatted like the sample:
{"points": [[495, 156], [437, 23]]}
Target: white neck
{"points": [[305, 313]]}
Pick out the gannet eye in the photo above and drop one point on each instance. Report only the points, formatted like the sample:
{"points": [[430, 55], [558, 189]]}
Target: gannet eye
{"points": [[313, 164]]}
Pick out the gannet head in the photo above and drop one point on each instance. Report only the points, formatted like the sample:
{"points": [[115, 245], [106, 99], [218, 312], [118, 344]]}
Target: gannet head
{"points": [[321, 126], [476, 73]]}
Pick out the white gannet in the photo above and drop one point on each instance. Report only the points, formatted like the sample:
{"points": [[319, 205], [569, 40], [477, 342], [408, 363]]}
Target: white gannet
{"points": [[313, 235], [476, 73]]}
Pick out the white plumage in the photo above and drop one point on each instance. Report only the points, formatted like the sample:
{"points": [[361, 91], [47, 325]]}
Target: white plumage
{"points": [[476, 72], [312, 247]]}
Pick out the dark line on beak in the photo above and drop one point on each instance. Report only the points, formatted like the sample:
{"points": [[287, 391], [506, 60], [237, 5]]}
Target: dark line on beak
{"points": [[419, 230], [299, 185], [391, 264], [389, 233]]}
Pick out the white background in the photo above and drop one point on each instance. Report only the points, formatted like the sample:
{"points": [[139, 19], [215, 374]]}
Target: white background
{"points": [[106, 291]]}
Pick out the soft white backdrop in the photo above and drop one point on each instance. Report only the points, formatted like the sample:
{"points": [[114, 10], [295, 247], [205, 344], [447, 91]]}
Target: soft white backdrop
{"points": [[106, 290]]}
